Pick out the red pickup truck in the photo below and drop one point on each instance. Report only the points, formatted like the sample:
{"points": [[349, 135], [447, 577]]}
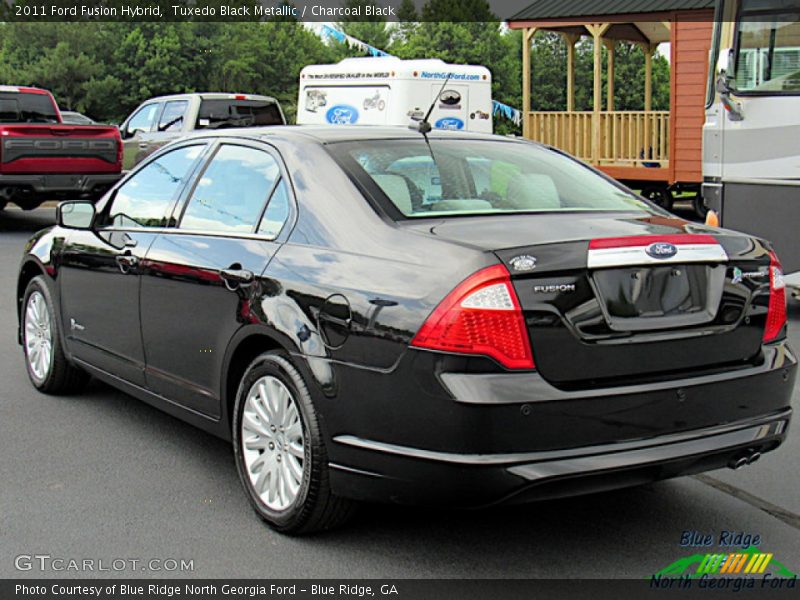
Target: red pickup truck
{"points": [[43, 159]]}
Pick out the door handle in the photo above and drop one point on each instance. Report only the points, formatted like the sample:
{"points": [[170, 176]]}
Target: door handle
{"points": [[126, 262], [236, 278], [143, 145]]}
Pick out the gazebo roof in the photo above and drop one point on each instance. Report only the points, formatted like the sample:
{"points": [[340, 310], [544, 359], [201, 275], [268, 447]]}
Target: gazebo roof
{"points": [[558, 9]]}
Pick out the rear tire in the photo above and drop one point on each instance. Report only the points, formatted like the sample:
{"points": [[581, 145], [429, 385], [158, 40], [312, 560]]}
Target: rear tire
{"points": [[280, 452], [660, 195], [48, 368], [699, 205]]}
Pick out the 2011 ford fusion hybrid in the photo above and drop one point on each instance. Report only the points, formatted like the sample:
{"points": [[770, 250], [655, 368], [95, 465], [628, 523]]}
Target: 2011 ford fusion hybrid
{"points": [[380, 315]]}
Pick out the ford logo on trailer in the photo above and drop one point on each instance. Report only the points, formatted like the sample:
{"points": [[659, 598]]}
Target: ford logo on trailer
{"points": [[449, 123], [661, 250], [342, 114]]}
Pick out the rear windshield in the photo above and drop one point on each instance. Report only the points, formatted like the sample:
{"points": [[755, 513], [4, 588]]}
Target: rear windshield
{"points": [[220, 114], [463, 177], [19, 107]]}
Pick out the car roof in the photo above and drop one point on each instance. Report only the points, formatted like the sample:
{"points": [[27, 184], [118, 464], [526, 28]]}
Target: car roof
{"points": [[325, 134], [210, 96]]}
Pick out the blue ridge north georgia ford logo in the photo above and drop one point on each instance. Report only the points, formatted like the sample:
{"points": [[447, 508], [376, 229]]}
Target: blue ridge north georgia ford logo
{"points": [[661, 250]]}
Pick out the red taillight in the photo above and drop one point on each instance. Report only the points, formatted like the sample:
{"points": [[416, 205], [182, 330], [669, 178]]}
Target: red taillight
{"points": [[481, 316], [776, 313]]}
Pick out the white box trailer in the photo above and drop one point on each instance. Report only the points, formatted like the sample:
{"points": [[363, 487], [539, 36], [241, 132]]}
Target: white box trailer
{"points": [[391, 91]]}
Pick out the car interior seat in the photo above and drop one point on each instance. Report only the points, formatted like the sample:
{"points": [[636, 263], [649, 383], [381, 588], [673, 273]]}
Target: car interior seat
{"points": [[532, 191]]}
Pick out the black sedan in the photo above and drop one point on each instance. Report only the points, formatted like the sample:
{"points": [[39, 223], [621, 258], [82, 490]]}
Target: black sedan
{"points": [[375, 314]]}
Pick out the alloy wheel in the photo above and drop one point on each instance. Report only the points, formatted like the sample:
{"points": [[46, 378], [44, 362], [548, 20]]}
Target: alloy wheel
{"points": [[273, 443], [38, 337]]}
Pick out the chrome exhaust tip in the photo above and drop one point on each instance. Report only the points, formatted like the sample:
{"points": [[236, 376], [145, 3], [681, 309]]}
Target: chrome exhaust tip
{"points": [[753, 457], [737, 463], [748, 458]]}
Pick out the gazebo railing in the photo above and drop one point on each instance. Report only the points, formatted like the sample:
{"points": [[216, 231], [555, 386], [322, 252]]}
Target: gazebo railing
{"points": [[626, 138]]}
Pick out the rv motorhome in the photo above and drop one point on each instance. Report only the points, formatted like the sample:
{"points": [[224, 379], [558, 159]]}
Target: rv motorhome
{"points": [[751, 137]]}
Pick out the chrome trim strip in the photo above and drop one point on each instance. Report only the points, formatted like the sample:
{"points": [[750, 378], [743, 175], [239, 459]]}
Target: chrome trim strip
{"points": [[199, 232], [339, 467], [743, 433], [599, 258]]}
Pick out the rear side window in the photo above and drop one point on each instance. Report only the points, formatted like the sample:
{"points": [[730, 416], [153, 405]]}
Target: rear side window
{"points": [[232, 191], [26, 108], [277, 212], [172, 117], [220, 114], [146, 199]]}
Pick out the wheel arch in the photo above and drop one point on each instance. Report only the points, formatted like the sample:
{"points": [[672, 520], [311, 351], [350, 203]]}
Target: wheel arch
{"points": [[30, 269], [243, 350]]}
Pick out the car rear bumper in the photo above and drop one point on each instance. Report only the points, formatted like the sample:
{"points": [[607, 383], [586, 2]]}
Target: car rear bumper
{"points": [[415, 476], [370, 469], [60, 184]]}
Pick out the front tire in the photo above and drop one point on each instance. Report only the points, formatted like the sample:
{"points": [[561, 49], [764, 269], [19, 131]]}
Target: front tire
{"points": [[280, 452], [48, 368]]}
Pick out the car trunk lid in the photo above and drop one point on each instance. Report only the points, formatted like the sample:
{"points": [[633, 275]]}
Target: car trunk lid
{"points": [[612, 298]]}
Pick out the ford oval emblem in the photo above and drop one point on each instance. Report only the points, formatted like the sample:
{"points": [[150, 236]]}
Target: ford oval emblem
{"points": [[342, 114], [449, 123], [661, 250]]}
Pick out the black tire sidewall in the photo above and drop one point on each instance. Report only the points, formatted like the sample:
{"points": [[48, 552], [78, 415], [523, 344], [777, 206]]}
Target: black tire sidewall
{"points": [[699, 206], [661, 197], [278, 364]]}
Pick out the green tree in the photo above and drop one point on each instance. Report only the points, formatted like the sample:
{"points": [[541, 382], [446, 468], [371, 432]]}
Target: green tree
{"points": [[263, 58], [372, 29], [459, 11], [549, 75], [471, 43], [407, 18]]}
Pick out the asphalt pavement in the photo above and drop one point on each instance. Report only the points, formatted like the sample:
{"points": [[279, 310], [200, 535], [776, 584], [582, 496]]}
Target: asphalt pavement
{"points": [[101, 476]]}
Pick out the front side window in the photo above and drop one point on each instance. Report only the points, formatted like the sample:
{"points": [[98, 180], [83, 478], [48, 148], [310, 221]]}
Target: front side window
{"points": [[146, 199], [143, 119], [231, 193], [768, 50], [172, 117], [455, 177]]}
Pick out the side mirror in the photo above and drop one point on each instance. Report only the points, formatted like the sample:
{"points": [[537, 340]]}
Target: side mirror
{"points": [[724, 77], [75, 214], [724, 70]]}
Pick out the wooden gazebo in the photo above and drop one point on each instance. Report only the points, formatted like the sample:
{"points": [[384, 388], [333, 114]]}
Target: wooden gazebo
{"points": [[647, 148]]}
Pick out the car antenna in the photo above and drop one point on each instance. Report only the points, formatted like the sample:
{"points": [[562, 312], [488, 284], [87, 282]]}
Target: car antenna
{"points": [[424, 126]]}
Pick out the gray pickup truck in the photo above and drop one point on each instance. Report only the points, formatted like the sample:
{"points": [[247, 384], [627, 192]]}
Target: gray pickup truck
{"points": [[160, 120]]}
